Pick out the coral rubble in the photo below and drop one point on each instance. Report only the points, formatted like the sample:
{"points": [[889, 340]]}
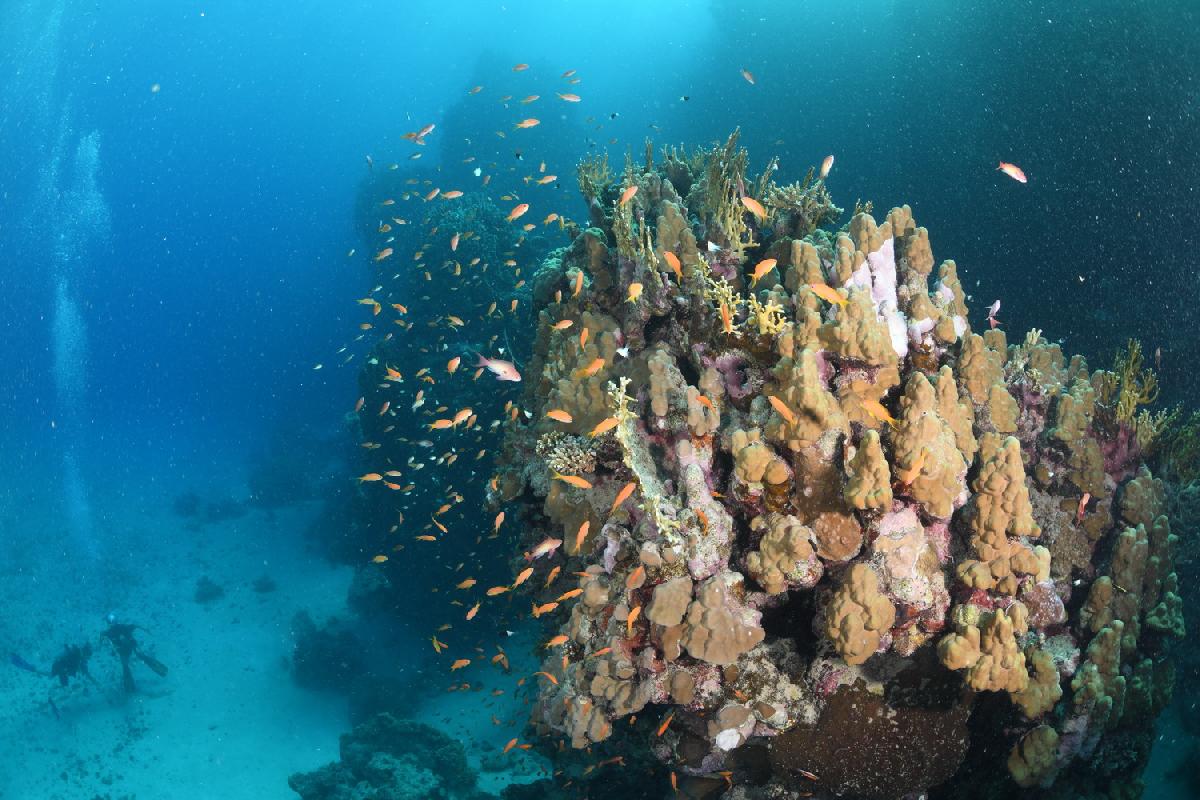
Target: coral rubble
{"points": [[856, 522]]}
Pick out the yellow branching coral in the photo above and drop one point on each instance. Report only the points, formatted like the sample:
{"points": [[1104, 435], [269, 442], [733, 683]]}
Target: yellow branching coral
{"points": [[1138, 386], [721, 202], [593, 176], [766, 318]]}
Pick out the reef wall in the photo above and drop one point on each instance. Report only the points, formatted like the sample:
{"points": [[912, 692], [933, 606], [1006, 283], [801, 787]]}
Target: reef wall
{"points": [[821, 536]]}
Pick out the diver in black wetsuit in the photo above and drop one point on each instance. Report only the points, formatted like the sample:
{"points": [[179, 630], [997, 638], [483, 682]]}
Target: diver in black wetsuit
{"points": [[121, 636]]}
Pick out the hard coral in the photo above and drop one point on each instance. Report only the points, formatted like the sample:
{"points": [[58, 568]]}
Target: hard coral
{"points": [[971, 512]]}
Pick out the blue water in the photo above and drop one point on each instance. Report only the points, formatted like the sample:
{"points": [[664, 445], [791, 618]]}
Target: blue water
{"points": [[178, 189]]}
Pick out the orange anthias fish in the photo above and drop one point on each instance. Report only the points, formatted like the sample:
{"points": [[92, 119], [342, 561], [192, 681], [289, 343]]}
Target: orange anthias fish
{"points": [[578, 283], [635, 292], [627, 195], [1013, 171], [623, 495], [748, 76], [591, 369], [581, 535], [754, 207], [604, 426], [573, 480], [528, 123], [546, 547], [673, 262], [782, 408], [561, 639], [761, 269], [570, 98], [828, 294], [877, 410], [558, 415], [518, 211], [522, 576], [726, 318], [459, 664]]}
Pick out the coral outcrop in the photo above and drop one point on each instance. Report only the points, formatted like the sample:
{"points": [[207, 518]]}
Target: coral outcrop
{"points": [[857, 523]]}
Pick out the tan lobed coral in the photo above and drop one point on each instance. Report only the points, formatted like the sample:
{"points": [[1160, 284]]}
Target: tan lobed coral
{"points": [[859, 615], [785, 557], [718, 628]]}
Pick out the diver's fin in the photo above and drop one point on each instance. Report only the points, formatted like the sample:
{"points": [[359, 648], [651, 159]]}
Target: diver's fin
{"points": [[153, 663], [21, 663]]}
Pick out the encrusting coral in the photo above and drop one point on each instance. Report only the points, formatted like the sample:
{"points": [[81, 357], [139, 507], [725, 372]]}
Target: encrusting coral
{"points": [[815, 491]]}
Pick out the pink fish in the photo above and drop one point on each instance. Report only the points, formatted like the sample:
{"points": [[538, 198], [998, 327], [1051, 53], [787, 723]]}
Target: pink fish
{"points": [[545, 548], [992, 312], [1012, 171], [503, 370]]}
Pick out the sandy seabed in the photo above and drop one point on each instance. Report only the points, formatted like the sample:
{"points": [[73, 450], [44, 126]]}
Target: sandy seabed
{"points": [[227, 721]]}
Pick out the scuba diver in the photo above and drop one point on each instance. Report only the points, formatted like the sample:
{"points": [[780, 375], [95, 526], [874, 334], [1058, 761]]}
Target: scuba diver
{"points": [[121, 636], [72, 662]]}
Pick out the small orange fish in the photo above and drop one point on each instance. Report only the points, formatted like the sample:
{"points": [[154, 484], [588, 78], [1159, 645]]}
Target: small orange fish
{"points": [[520, 67], [622, 496], [459, 664], [453, 194], [726, 318], [370, 477], [562, 325], [467, 584], [517, 211], [877, 410], [474, 610], [828, 294], [627, 195], [379, 559], [665, 724], [452, 364], [425, 537], [907, 476], [591, 369], [432, 194], [704, 401], [530, 99], [553, 574], [635, 292], [604, 426], [549, 218], [748, 76], [578, 283], [633, 615], [358, 406], [384, 253], [583, 337], [582, 534], [782, 408], [570, 98], [544, 609], [826, 165], [674, 777], [542, 181], [511, 744], [528, 123], [558, 415], [573, 480], [1012, 171], [634, 577], [497, 590], [548, 677], [454, 243], [561, 639], [673, 262], [499, 521], [522, 576], [1080, 511], [761, 269], [754, 207], [569, 595]]}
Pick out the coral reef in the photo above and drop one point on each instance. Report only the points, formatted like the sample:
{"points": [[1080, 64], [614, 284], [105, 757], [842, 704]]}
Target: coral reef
{"points": [[392, 758], [856, 522]]}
